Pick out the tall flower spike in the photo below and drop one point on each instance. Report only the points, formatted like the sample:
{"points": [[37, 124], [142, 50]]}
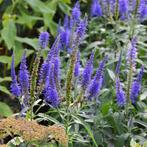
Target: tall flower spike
{"points": [[77, 65], [43, 39], [15, 89], [65, 38], [96, 84], [120, 95], [96, 9], [143, 9], [66, 22], [123, 9], [76, 13], [136, 86], [81, 29], [87, 72], [24, 78], [132, 53], [51, 94]]}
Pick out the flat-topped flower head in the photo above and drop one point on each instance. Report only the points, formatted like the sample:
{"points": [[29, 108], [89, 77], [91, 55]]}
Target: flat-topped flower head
{"points": [[15, 88], [96, 9], [43, 39]]}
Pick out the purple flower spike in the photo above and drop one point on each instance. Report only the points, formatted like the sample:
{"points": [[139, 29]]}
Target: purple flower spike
{"points": [[96, 84], [76, 13], [15, 89], [81, 29], [120, 95], [65, 38], [123, 9], [43, 39], [132, 53], [143, 9], [66, 22], [50, 93], [77, 66], [96, 9], [87, 73], [136, 86], [95, 87], [24, 78]]}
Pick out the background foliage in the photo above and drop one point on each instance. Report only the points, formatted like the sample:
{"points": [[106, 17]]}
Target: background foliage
{"points": [[94, 124]]}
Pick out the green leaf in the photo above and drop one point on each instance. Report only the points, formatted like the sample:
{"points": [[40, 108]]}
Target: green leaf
{"points": [[5, 59], [5, 79], [143, 96], [65, 8], [86, 126], [5, 110], [66, 1], [5, 90], [27, 20], [39, 6], [32, 42], [111, 74], [8, 32]]}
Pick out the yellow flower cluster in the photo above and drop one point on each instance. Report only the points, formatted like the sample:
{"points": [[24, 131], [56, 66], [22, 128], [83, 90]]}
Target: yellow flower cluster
{"points": [[32, 131]]}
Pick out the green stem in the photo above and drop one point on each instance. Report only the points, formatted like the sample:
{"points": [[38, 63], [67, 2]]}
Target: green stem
{"points": [[129, 83], [69, 79], [116, 10], [33, 80]]}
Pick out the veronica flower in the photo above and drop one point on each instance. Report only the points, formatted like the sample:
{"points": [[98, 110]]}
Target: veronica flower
{"points": [[132, 53], [87, 72], [50, 93], [15, 89], [43, 39], [136, 86], [143, 9], [66, 22], [76, 13], [24, 78], [96, 9], [81, 29], [96, 84], [65, 37], [120, 94], [77, 65], [123, 8]]}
